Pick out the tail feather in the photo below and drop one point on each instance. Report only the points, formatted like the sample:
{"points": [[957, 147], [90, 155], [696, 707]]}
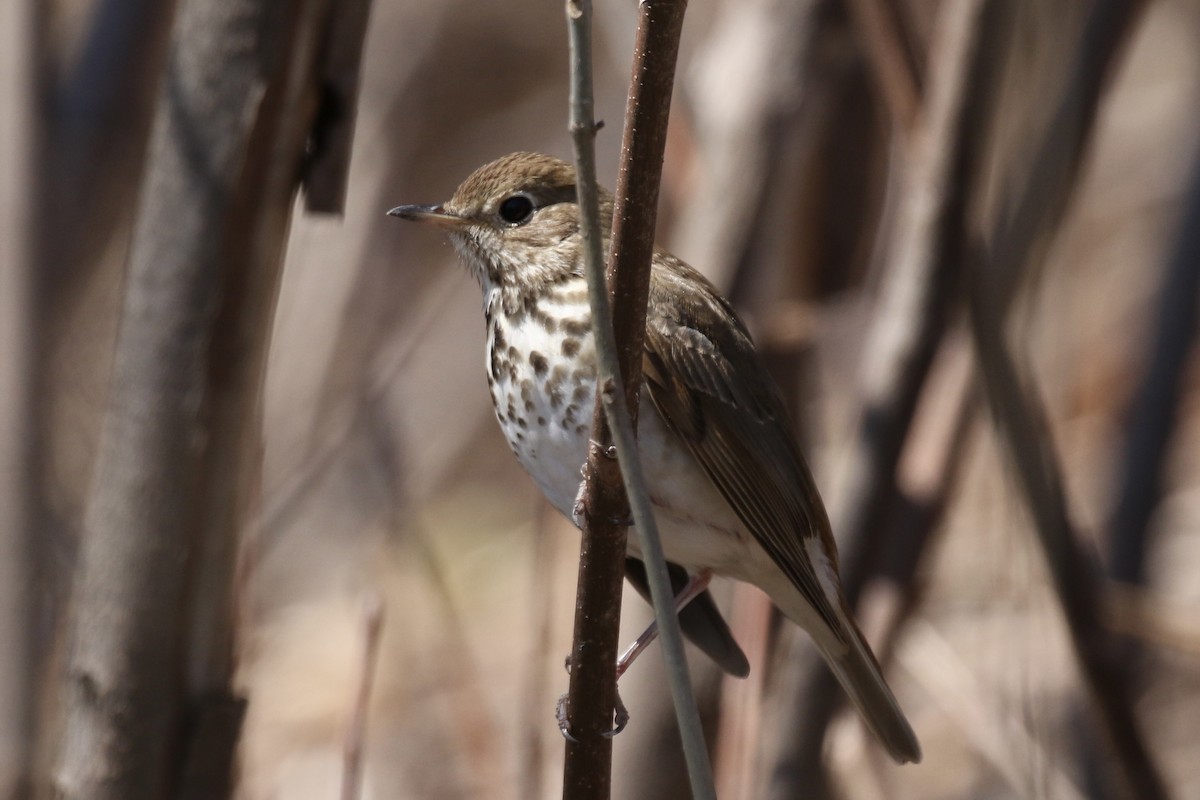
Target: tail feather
{"points": [[858, 672]]}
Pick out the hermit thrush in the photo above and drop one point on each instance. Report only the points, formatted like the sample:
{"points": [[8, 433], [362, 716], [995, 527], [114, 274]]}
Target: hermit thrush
{"points": [[732, 493]]}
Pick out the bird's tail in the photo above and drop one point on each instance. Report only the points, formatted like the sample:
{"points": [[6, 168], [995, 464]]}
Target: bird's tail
{"points": [[858, 672]]}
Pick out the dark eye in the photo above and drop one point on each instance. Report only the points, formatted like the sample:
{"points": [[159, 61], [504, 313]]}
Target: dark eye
{"points": [[516, 209]]}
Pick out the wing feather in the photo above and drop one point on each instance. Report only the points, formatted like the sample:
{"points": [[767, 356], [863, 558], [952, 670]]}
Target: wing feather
{"points": [[710, 387]]}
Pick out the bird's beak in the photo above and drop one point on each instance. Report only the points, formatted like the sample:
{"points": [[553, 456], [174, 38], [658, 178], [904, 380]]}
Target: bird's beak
{"points": [[432, 214]]}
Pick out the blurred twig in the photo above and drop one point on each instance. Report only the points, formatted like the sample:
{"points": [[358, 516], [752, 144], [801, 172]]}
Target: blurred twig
{"points": [[98, 123], [893, 63], [917, 297], [328, 166], [354, 747], [535, 677], [476, 731], [592, 692], [927, 477], [1155, 408], [949, 681], [1135, 612], [19, 136], [1076, 575], [741, 708], [145, 706], [619, 356], [1037, 210]]}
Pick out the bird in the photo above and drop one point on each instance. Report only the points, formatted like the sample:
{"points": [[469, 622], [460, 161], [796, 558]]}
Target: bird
{"points": [[731, 490]]}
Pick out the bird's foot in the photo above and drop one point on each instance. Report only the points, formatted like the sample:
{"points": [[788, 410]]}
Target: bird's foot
{"points": [[579, 510], [620, 718], [564, 724]]}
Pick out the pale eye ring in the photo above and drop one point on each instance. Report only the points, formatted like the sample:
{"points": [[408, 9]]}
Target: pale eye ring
{"points": [[516, 209]]}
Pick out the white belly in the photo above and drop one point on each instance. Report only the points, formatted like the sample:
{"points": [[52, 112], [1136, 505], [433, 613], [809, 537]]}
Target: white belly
{"points": [[545, 413]]}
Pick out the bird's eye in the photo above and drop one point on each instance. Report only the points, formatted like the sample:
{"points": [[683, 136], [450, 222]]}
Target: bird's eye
{"points": [[516, 209]]}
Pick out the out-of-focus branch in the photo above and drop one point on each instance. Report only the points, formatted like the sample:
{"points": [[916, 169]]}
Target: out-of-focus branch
{"points": [[917, 297], [1076, 575], [532, 747], [1038, 209], [354, 747], [1041, 202], [619, 355], [893, 63], [18, 197], [328, 169], [148, 702], [1155, 408], [927, 477], [98, 123]]}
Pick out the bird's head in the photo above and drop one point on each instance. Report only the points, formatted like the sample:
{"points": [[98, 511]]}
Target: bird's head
{"points": [[515, 221]]}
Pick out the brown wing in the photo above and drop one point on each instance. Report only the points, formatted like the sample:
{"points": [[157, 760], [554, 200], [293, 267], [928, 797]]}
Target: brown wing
{"points": [[707, 382]]}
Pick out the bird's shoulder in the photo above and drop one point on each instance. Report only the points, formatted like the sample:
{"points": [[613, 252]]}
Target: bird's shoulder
{"points": [[694, 333]]}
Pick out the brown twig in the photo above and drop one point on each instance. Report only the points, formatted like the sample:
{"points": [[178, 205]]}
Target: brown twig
{"points": [[741, 706], [535, 678], [1040, 205], [354, 744], [328, 166], [927, 477], [592, 693], [1133, 611], [1076, 574], [1155, 407], [19, 132], [893, 63]]}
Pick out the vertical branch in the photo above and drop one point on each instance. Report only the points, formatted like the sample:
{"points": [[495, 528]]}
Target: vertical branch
{"points": [[148, 703], [354, 747], [1155, 408], [643, 145], [99, 123], [619, 355], [592, 694], [18, 152], [893, 63]]}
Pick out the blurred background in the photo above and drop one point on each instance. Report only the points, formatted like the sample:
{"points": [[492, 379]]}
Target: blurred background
{"points": [[798, 165]]}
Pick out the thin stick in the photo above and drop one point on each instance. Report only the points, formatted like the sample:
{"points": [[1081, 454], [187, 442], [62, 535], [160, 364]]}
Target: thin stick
{"points": [[592, 694], [1040, 206], [19, 589], [643, 144], [659, 28], [892, 60], [532, 746], [354, 745], [1021, 419]]}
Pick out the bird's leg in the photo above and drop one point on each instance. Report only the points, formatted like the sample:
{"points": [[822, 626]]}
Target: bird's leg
{"points": [[694, 588]]}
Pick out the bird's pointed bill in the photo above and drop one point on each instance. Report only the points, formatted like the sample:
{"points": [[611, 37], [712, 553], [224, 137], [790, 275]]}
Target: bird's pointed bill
{"points": [[435, 215]]}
